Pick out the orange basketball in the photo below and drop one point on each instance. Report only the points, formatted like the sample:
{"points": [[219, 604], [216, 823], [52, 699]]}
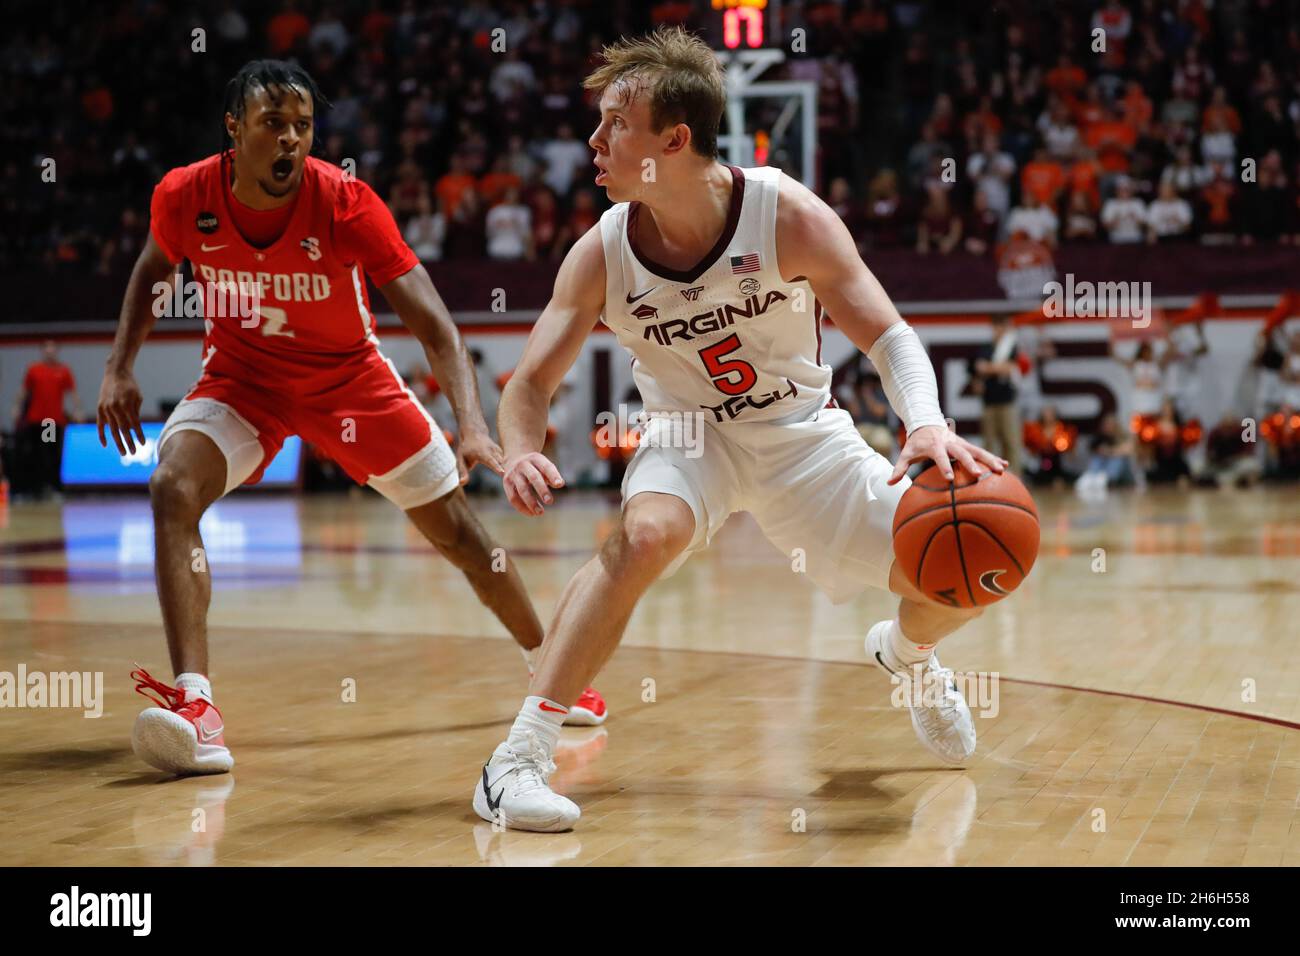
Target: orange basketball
{"points": [[967, 542]]}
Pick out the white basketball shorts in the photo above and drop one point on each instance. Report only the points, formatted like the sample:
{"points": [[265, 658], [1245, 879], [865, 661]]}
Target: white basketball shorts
{"points": [[815, 485]]}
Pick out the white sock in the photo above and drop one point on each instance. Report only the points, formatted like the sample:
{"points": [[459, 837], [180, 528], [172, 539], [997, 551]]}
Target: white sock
{"points": [[903, 651], [195, 685], [542, 718]]}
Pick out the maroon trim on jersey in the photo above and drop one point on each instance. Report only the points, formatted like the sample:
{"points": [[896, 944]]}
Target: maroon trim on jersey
{"points": [[817, 326], [703, 266]]}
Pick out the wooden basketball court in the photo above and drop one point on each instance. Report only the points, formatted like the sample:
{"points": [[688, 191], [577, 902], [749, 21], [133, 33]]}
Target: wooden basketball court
{"points": [[1147, 713]]}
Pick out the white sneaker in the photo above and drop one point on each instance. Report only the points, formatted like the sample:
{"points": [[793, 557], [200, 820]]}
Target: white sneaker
{"points": [[184, 734], [945, 726], [514, 790]]}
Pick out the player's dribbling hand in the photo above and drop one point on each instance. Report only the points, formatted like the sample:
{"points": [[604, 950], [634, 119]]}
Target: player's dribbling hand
{"points": [[938, 444], [528, 480], [478, 448], [119, 409]]}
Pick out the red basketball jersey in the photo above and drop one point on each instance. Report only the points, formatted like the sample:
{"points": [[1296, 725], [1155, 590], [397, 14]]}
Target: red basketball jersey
{"points": [[313, 310]]}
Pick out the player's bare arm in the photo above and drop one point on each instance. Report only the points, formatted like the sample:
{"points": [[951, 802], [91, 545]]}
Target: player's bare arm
{"points": [[119, 395], [417, 303], [552, 348], [812, 241]]}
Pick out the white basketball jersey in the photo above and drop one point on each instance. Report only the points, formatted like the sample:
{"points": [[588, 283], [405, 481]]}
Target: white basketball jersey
{"points": [[728, 338]]}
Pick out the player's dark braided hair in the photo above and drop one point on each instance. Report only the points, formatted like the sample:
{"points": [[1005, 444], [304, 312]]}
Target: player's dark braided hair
{"points": [[267, 73]]}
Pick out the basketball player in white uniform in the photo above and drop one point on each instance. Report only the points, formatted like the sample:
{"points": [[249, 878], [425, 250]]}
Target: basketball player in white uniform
{"points": [[713, 278]]}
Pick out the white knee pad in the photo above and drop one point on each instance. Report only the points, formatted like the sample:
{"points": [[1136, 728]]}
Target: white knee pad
{"points": [[229, 431], [426, 476]]}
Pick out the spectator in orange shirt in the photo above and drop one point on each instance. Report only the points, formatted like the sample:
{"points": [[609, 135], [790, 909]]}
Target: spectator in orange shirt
{"points": [[1136, 107], [1084, 176], [452, 188], [42, 418], [1218, 201], [286, 28], [1113, 140], [496, 183], [1220, 114], [1043, 178], [1090, 109], [1066, 79], [982, 122]]}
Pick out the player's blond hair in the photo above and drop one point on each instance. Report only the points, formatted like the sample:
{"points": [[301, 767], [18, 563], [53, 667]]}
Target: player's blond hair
{"points": [[681, 74]]}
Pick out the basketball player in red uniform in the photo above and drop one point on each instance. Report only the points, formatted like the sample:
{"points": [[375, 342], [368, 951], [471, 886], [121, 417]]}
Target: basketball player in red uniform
{"points": [[708, 275], [299, 236]]}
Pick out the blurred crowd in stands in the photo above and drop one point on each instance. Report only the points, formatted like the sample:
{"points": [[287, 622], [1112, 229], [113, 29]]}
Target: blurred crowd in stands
{"points": [[1154, 435], [941, 127]]}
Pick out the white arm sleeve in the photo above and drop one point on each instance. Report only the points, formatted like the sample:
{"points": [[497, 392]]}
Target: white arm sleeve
{"points": [[907, 377]]}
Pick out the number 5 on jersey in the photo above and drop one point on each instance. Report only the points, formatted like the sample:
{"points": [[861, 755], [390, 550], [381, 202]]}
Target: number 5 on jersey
{"points": [[721, 371]]}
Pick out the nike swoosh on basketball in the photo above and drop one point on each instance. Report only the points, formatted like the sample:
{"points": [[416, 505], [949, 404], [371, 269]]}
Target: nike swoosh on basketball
{"points": [[989, 582], [487, 792], [632, 298], [204, 247]]}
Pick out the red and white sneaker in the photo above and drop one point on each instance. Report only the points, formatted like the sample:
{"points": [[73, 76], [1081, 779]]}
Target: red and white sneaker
{"points": [[184, 734], [588, 711]]}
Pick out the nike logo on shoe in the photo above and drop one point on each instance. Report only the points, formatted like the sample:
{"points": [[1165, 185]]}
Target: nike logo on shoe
{"points": [[207, 735], [487, 792], [632, 298], [882, 663]]}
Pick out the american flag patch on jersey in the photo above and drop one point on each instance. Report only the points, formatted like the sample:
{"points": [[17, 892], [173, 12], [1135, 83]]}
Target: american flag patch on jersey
{"points": [[747, 263]]}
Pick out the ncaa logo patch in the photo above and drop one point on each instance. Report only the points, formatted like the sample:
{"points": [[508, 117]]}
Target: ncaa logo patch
{"points": [[206, 223]]}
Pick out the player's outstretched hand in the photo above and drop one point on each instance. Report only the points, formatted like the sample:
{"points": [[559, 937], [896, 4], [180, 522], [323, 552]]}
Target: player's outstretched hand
{"points": [[528, 480], [119, 409], [478, 448], [938, 444]]}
